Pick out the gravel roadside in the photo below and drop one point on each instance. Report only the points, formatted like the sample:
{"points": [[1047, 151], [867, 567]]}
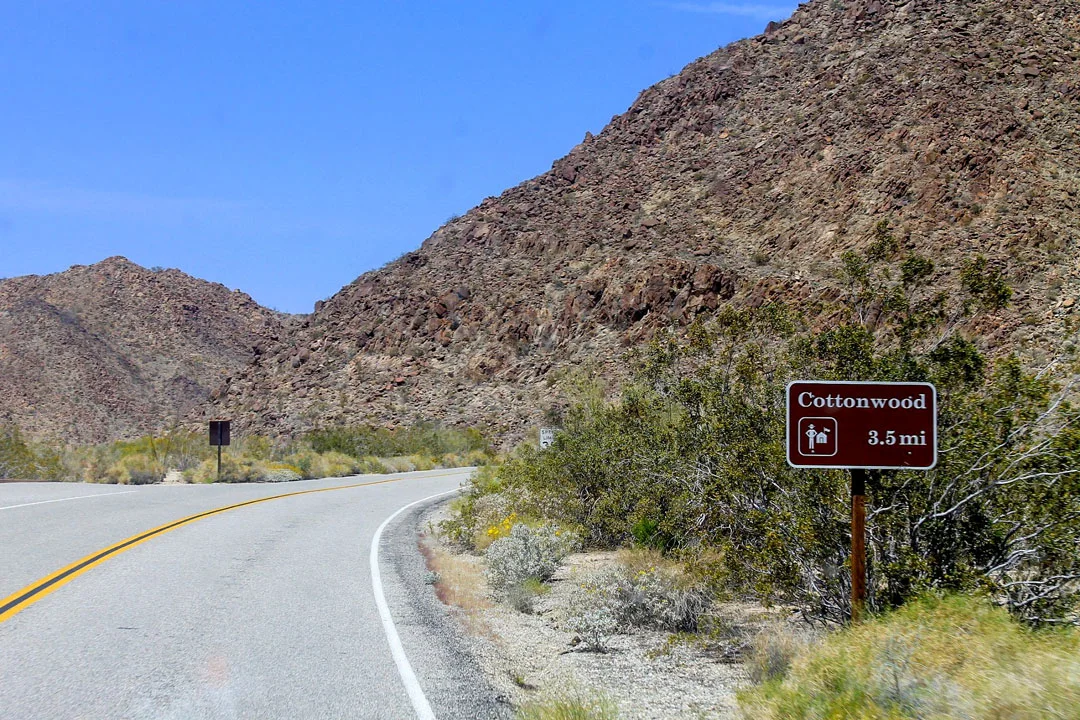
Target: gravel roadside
{"points": [[435, 644], [526, 657]]}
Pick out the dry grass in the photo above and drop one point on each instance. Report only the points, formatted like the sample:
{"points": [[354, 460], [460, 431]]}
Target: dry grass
{"points": [[459, 584], [952, 658], [773, 648], [569, 708]]}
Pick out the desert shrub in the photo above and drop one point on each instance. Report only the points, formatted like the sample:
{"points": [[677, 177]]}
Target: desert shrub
{"points": [[526, 554], [477, 458], [22, 459], [474, 458], [147, 459], [173, 449], [50, 462], [233, 470], [952, 657], [304, 460], [480, 507], [371, 466], [277, 472], [256, 447], [427, 439], [16, 459], [593, 618], [691, 457], [455, 528], [647, 533], [421, 462], [335, 464], [659, 596], [423, 446], [135, 469], [398, 464], [501, 529], [522, 597], [312, 464], [451, 460], [91, 464], [476, 521]]}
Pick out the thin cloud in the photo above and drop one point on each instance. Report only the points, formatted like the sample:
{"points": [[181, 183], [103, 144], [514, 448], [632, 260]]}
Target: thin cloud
{"points": [[23, 196], [19, 198], [753, 10]]}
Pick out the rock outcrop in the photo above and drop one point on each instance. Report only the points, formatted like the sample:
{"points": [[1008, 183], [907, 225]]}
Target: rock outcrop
{"points": [[114, 350]]}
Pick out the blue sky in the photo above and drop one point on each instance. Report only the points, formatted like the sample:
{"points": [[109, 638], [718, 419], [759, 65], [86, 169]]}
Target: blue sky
{"points": [[284, 149]]}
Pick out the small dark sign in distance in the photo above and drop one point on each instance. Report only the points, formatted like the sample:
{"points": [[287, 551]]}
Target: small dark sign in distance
{"points": [[861, 425], [220, 432]]}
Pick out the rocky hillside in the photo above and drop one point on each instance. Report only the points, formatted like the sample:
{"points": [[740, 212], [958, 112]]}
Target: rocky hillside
{"points": [[114, 350], [742, 178]]}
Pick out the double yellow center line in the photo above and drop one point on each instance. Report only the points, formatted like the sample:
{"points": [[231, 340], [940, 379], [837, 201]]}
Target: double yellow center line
{"points": [[29, 595]]}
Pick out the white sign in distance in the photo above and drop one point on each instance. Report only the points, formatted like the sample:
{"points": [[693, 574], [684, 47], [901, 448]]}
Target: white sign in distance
{"points": [[547, 438]]}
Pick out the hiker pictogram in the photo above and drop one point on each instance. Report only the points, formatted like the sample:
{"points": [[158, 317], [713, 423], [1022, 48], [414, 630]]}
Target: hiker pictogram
{"points": [[887, 425], [817, 436]]}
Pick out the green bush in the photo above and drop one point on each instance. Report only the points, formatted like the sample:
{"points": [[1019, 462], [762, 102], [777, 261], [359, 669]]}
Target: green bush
{"points": [[647, 533], [135, 469], [427, 439], [953, 657], [251, 458], [691, 458], [23, 460], [175, 449], [16, 459]]}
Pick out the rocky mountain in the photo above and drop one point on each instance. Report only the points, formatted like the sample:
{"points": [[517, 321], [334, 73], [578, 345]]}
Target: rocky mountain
{"points": [[114, 350], [742, 178]]}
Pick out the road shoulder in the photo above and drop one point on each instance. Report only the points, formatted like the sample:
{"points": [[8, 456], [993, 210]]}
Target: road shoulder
{"points": [[453, 681]]}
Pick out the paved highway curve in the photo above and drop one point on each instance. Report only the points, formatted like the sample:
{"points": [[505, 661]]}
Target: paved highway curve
{"points": [[263, 610]]}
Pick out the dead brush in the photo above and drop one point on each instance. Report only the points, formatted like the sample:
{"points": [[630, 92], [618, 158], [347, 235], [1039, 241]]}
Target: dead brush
{"points": [[459, 583]]}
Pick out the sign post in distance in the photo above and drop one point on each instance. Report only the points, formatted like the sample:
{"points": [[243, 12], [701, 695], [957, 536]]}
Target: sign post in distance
{"points": [[220, 435], [861, 426], [547, 437]]}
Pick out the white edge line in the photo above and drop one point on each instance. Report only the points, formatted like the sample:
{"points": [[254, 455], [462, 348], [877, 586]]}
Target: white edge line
{"points": [[408, 677], [80, 497]]}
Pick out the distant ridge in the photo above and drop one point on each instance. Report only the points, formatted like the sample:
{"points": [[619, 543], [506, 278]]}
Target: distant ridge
{"points": [[114, 350]]}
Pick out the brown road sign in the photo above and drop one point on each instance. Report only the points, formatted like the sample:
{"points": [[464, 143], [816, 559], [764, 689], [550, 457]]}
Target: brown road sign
{"points": [[220, 432], [869, 425]]}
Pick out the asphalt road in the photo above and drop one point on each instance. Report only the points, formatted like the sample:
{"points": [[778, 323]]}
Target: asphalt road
{"points": [[263, 611]]}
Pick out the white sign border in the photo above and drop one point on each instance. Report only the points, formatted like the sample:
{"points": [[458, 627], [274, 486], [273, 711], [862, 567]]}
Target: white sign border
{"points": [[787, 426]]}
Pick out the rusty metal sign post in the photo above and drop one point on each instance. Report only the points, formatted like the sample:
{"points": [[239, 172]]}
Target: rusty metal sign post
{"points": [[220, 435], [860, 426]]}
